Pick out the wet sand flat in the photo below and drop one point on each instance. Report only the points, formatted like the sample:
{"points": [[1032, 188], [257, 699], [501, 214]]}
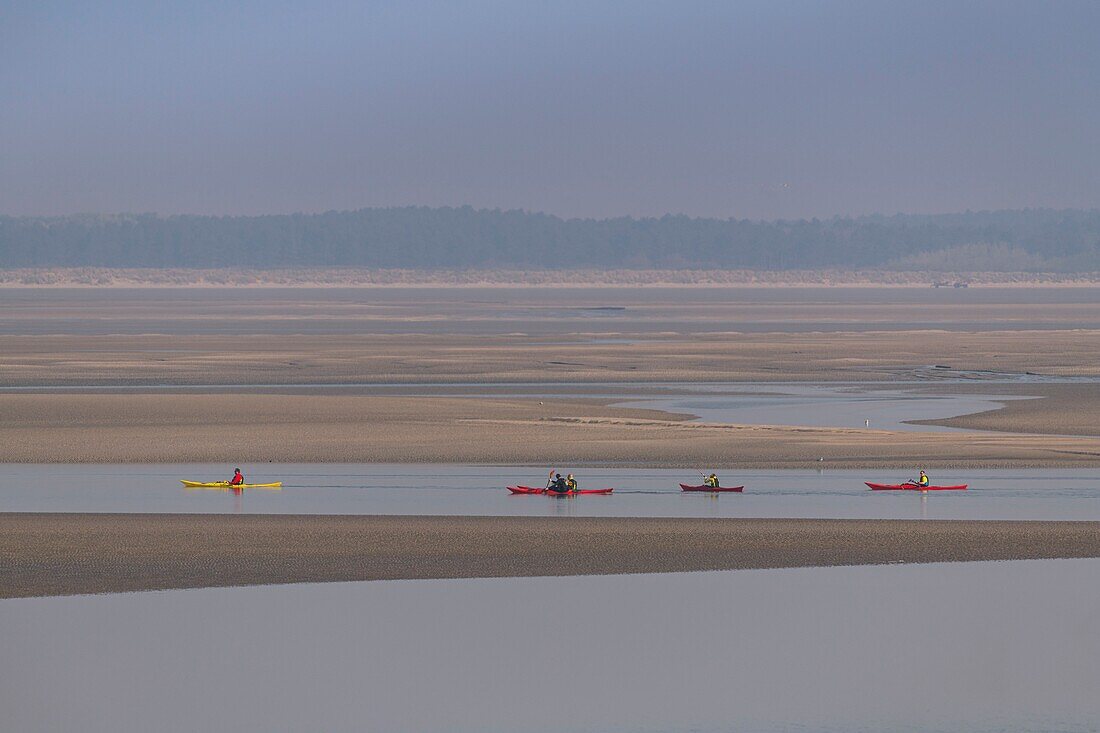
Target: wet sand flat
{"points": [[258, 428], [65, 554], [66, 360], [230, 343], [498, 335], [1058, 409]]}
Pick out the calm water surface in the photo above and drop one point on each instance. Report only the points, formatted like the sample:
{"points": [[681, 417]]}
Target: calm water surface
{"points": [[822, 405], [480, 490], [1008, 646]]}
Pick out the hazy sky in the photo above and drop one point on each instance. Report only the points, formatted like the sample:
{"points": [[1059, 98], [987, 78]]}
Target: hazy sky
{"points": [[746, 109]]}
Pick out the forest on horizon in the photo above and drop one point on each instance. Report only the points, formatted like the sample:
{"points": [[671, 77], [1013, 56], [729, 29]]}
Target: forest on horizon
{"points": [[1030, 240]]}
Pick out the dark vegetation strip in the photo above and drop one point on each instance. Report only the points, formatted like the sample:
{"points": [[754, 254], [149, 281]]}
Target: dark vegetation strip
{"points": [[1029, 240]]}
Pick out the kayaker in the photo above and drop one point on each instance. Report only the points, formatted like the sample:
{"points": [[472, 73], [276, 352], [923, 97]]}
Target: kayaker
{"points": [[554, 481], [571, 483], [923, 480], [711, 481], [238, 478]]}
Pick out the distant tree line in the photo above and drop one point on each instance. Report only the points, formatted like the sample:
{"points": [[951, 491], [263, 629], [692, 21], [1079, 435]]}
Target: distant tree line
{"points": [[455, 238]]}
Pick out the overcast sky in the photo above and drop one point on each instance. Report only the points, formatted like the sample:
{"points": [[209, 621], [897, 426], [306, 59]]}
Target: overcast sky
{"points": [[746, 109]]}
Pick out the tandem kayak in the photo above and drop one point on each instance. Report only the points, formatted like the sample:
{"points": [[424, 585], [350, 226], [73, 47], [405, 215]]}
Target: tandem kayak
{"points": [[712, 489], [227, 485], [552, 492], [913, 487], [525, 490]]}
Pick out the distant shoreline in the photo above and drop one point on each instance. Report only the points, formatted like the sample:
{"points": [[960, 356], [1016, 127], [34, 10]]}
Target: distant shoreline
{"points": [[102, 277]]}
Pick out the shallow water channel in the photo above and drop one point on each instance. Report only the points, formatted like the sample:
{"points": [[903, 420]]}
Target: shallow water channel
{"points": [[842, 405], [480, 490], [972, 646]]}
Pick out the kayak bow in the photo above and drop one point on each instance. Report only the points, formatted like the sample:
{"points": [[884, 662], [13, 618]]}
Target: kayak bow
{"points": [[913, 487], [713, 489], [227, 485]]}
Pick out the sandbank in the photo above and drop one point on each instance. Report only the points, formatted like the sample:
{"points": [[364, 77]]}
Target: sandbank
{"points": [[64, 554]]}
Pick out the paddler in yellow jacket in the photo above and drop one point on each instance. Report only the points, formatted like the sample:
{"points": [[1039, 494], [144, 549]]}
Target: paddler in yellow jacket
{"points": [[711, 481], [923, 480], [571, 483]]}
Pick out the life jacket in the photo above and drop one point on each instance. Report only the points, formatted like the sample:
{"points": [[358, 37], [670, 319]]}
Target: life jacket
{"points": [[571, 484]]}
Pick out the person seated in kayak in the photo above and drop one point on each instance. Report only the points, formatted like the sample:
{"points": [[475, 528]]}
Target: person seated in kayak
{"points": [[921, 482], [238, 478], [711, 481], [555, 481], [571, 483]]}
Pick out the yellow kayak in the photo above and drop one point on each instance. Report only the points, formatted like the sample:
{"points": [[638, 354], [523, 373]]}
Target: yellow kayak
{"points": [[226, 485]]}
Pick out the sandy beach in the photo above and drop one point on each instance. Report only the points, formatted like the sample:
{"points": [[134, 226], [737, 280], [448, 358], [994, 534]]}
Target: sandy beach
{"points": [[65, 554]]}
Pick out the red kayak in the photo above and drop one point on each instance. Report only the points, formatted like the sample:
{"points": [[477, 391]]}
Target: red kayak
{"points": [[525, 490], [551, 492], [913, 487], [712, 489]]}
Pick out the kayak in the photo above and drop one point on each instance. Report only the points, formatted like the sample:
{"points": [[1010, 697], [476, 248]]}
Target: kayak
{"points": [[227, 485], [551, 492], [525, 490], [712, 489], [913, 487]]}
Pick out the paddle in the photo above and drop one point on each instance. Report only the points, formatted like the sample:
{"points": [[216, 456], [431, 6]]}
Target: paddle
{"points": [[705, 477]]}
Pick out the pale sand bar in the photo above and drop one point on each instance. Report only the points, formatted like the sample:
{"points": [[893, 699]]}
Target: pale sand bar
{"points": [[258, 428], [64, 554]]}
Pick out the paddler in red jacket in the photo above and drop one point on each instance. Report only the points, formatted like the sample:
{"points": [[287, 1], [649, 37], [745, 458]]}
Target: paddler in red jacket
{"points": [[238, 478]]}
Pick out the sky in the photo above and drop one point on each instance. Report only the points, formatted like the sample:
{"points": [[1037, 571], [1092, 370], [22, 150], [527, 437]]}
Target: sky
{"points": [[746, 109]]}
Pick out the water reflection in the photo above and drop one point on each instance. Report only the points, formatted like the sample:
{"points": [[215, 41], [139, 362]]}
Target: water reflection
{"points": [[977, 647]]}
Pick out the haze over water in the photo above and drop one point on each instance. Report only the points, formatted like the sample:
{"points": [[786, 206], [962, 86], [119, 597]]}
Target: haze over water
{"points": [[754, 109], [215, 143]]}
